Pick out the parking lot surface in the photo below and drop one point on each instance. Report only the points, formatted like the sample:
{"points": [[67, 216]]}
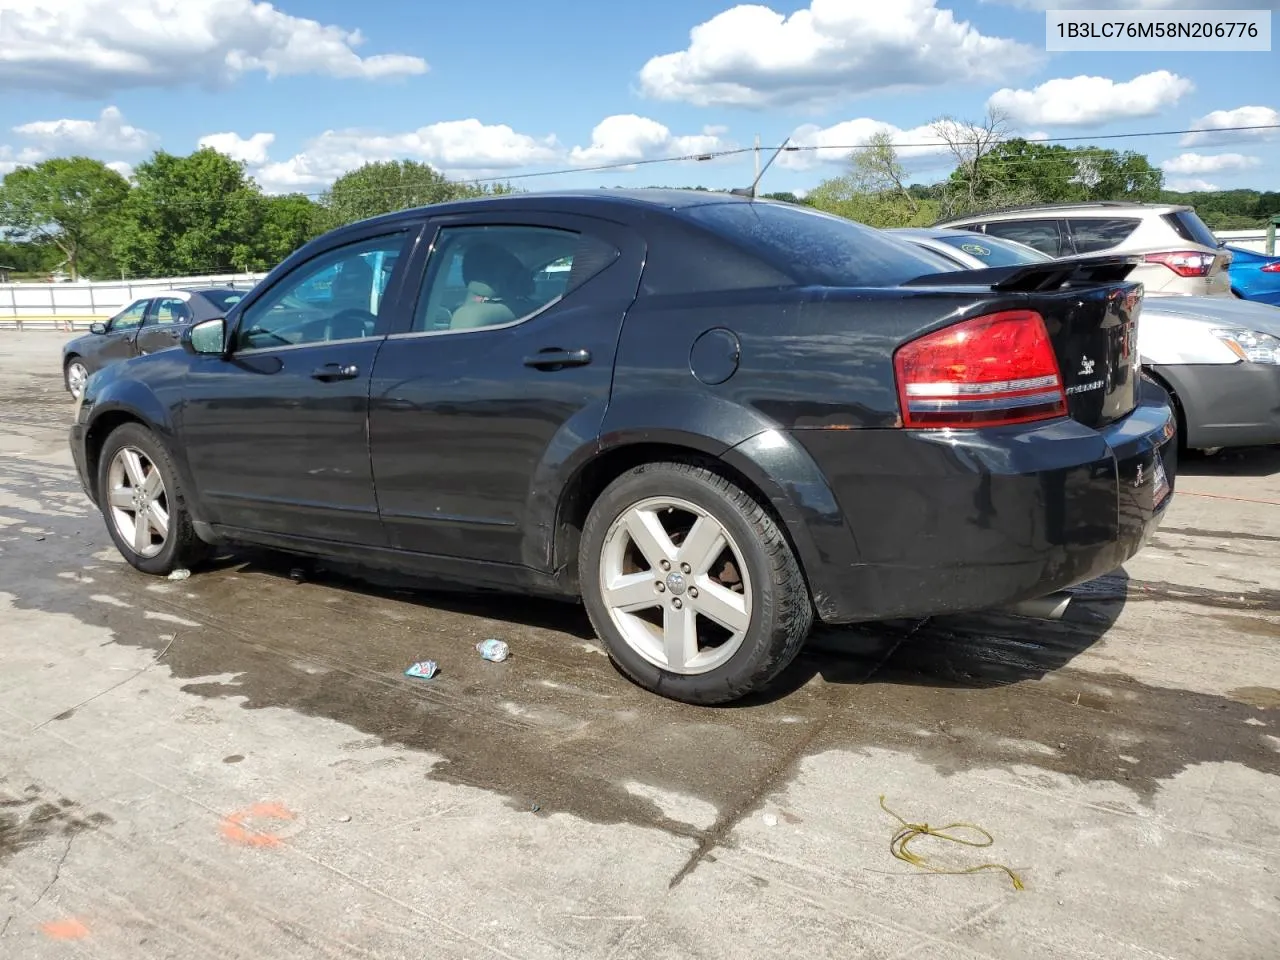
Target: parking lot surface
{"points": [[235, 765]]}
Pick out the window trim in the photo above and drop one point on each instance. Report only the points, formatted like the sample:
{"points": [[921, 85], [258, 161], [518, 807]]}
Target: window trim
{"points": [[392, 295], [535, 220]]}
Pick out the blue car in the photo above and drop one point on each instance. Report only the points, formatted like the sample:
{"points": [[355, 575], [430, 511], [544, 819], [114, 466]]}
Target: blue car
{"points": [[1255, 276]]}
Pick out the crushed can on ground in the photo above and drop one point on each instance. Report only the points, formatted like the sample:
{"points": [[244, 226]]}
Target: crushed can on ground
{"points": [[494, 650], [423, 669]]}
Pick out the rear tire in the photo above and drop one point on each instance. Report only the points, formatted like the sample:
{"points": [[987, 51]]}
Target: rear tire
{"points": [[691, 584], [143, 504]]}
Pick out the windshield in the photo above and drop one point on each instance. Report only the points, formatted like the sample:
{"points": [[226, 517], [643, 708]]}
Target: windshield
{"points": [[818, 248], [224, 300], [1191, 228], [994, 251]]}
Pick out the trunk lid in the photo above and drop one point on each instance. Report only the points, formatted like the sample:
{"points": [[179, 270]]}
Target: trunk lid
{"points": [[1091, 313]]}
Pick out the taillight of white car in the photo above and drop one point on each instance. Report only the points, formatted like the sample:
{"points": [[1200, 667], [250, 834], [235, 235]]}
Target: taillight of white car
{"points": [[1185, 263], [1249, 345]]}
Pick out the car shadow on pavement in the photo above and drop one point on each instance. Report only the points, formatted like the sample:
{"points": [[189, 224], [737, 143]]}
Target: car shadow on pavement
{"points": [[1241, 462], [968, 651], [972, 651]]}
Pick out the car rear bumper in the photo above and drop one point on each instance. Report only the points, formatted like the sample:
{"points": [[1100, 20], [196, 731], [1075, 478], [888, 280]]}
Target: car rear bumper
{"points": [[1226, 404], [956, 521]]}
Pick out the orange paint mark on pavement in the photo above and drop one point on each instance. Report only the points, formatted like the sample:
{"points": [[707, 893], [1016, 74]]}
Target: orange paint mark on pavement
{"points": [[68, 929], [233, 826]]}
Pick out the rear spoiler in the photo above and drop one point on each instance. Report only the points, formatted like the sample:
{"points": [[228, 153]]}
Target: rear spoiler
{"points": [[1035, 277]]}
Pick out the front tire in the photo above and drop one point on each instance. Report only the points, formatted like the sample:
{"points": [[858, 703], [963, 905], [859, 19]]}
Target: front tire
{"points": [[76, 375], [143, 504], [691, 584]]}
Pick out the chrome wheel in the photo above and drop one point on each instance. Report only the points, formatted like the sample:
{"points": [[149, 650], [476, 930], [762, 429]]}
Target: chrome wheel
{"points": [[675, 585], [77, 376], [138, 501]]}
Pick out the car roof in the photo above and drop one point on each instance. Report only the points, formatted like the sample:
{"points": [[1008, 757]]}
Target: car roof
{"points": [[1106, 207], [931, 232], [584, 200]]}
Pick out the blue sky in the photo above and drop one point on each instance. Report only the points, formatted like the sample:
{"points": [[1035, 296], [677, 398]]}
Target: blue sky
{"points": [[302, 91]]}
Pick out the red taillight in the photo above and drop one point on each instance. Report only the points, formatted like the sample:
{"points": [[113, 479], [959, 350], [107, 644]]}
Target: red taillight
{"points": [[988, 371], [1185, 263], [1272, 267]]}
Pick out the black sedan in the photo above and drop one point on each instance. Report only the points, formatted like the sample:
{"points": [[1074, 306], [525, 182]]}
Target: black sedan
{"points": [[711, 418], [144, 326]]}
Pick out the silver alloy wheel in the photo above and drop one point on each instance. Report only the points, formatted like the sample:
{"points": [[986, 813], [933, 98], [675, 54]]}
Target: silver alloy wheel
{"points": [[138, 501], [77, 376], [675, 585]]}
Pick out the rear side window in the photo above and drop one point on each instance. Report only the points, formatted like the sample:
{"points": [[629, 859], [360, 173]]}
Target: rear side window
{"points": [[996, 251], [1042, 235], [1190, 227], [817, 248], [1092, 234]]}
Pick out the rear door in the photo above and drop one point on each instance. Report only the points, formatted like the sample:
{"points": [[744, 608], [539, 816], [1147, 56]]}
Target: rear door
{"points": [[506, 366], [163, 323]]}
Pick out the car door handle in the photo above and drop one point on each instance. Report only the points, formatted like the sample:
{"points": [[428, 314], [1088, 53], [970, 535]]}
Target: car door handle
{"points": [[553, 358], [335, 371]]}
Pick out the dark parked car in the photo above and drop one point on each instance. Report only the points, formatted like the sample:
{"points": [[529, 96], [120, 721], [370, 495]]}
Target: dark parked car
{"points": [[725, 417], [144, 326]]}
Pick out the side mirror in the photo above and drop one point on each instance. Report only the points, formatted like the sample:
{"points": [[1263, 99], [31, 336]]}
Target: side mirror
{"points": [[99, 328], [207, 338]]}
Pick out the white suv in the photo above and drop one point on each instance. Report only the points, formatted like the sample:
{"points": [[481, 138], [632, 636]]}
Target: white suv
{"points": [[1181, 255]]}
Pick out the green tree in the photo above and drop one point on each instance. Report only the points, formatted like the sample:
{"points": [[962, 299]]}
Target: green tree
{"points": [[874, 190], [288, 221], [73, 202], [189, 215], [390, 185]]}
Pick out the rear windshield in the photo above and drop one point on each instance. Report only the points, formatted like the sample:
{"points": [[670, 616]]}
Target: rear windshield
{"points": [[1191, 228], [817, 248], [995, 251], [223, 299]]}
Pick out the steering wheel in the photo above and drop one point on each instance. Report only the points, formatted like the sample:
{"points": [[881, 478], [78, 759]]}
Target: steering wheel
{"points": [[347, 319]]}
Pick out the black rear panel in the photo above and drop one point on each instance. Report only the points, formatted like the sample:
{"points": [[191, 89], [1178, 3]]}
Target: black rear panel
{"points": [[1095, 335]]}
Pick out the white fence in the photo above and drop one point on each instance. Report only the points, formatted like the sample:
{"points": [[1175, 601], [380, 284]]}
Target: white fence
{"points": [[47, 301], [1255, 240]]}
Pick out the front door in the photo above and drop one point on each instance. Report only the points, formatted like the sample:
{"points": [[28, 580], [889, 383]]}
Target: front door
{"points": [[508, 364], [275, 434], [118, 343], [164, 322]]}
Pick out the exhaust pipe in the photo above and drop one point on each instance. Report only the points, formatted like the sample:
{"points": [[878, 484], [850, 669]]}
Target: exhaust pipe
{"points": [[1051, 607]]}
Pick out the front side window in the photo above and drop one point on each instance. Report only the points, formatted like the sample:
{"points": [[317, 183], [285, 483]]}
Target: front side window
{"points": [[336, 296], [1042, 235], [1092, 234], [130, 317], [491, 276]]}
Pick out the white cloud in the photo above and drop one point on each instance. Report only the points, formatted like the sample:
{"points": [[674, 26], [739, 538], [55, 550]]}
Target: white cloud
{"points": [[93, 47], [1190, 185], [1210, 129], [251, 150], [1135, 4], [751, 55], [109, 134], [458, 148], [915, 146], [12, 158], [1092, 101], [1195, 164], [124, 169], [626, 138]]}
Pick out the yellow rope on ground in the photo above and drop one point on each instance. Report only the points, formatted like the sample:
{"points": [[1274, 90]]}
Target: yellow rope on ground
{"points": [[910, 831]]}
